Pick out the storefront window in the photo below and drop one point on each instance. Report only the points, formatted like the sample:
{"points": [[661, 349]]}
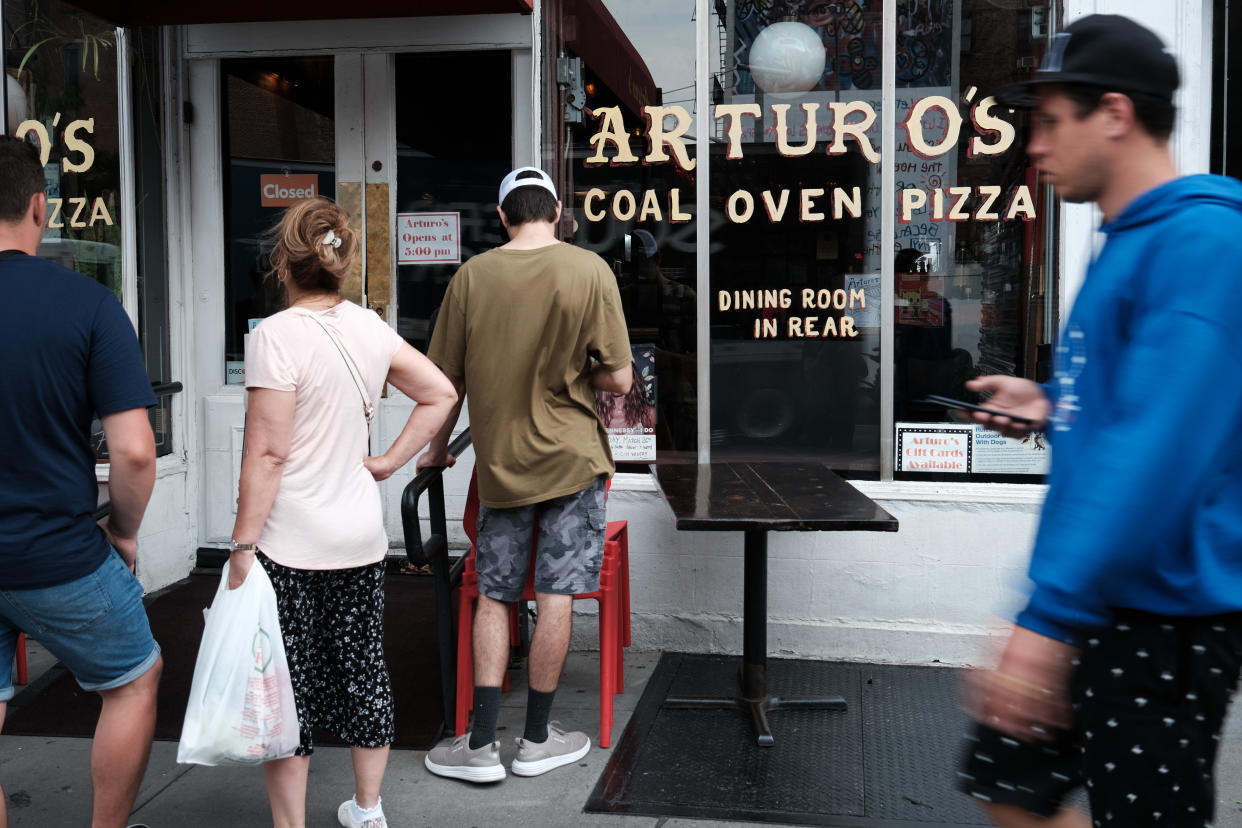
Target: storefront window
{"points": [[152, 253], [621, 147], [973, 283], [795, 285], [62, 95], [800, 247]]}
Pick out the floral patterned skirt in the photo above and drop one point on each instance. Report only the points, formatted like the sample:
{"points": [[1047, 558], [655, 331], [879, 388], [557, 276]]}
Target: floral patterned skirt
{"points": [[332, 623]]}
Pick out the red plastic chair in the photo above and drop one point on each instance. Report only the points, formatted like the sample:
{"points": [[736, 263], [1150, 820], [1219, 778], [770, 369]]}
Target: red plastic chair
{"points": [[21, 658], [614, 617]]}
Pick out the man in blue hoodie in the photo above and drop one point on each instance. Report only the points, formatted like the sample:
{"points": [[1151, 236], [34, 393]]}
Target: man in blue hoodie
{"points": [[1119, 670]]}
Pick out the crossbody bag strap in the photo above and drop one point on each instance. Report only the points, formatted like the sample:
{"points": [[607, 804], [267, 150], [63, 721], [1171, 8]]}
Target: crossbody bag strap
{"points": [[368, 409]]}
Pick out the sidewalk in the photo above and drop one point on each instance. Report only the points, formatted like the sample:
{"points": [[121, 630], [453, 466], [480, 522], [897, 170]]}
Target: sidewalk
{"points": [[47, 779]]}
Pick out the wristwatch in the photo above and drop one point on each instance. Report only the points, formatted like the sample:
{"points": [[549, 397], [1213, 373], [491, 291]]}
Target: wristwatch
{"points": [[234, 546]]}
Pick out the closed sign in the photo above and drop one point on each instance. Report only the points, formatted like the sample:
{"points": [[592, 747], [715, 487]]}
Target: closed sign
{"points": [[285, 190]]}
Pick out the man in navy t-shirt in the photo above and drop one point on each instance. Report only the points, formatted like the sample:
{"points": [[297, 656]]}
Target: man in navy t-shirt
{"points": [[69, 355]]}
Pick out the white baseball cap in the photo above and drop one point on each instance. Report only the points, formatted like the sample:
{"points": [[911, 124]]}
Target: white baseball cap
{"points": [[511, 182]]}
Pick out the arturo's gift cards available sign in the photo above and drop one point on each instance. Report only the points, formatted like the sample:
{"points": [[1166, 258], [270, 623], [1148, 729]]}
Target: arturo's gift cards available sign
{"points": [[278, 190]]}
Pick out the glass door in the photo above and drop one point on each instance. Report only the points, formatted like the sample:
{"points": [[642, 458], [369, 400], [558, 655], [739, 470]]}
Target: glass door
{"points": [[449, 164], [278, 121]]}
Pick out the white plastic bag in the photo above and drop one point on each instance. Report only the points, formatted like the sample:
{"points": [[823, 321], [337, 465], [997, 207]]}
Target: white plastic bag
{"points": [[241, 707]]}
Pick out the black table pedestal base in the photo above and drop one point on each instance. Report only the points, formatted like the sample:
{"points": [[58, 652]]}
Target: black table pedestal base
{"points": [[753, 676], [757, 708]]}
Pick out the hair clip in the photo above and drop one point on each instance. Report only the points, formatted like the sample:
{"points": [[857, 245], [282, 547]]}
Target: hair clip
{"points": [[332, 239]]}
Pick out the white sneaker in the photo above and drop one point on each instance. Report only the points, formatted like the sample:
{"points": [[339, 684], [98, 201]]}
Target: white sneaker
{"points": [[345, 816], [458, 761], [561, 748]]}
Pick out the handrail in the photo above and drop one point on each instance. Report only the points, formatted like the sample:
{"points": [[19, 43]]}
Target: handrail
{"points": [[163, 389], [418, 551], [434, 550]]}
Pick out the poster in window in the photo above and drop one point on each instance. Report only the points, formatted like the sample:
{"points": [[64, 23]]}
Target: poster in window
{"points": [[968, 448], [630, 418]]}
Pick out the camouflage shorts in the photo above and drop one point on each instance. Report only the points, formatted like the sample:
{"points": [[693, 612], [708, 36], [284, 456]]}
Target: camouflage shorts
{"points": [[571, 545]]}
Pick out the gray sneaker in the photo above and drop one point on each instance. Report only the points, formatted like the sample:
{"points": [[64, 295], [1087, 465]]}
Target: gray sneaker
{"points": [[561, 748], [458, 761]]}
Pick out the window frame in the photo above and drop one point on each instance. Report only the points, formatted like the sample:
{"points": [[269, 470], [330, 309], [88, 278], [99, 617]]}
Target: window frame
{"points": [[1059, 250]]}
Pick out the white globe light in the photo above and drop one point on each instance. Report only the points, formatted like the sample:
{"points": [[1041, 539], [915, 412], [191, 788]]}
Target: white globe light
{"points": [[787, 57]]}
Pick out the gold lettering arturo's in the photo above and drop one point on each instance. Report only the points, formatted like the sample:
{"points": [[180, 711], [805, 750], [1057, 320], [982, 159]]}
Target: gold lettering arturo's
{"points": [[611, 131], [914, 126], [733, 129], [782, 130], [989, 124], [842, 110], [674, 139]]}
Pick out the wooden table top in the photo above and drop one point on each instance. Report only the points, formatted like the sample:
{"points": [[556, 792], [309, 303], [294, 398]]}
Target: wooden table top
{"points": [[775, 496]]}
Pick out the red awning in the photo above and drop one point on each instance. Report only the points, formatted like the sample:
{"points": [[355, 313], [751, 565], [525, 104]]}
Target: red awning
{"points": [[163, 12], [593, 34]]}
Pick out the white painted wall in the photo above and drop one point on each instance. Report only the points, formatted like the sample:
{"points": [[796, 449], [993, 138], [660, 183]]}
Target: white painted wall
{"points": [[166, 540], [1186, 28]]}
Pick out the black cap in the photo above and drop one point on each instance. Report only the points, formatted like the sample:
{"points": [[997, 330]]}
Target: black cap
{"points": [[1104, 50]]}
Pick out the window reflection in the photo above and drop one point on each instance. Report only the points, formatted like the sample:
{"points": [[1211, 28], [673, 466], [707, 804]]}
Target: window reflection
{"points": [[975, 291], [448, 170], [615, 59], [62, 96], [797, 246], [795, 190], [279, 148]]}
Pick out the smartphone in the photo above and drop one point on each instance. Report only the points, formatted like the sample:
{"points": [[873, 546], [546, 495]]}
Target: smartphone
{"points": [[949, 402]]}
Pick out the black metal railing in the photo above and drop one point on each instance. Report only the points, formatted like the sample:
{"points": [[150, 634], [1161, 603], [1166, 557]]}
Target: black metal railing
{"points": [[434, 550]]}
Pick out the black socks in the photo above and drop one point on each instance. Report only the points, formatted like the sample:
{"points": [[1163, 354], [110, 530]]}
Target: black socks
{"points": [[538, 708], [486, 711]]}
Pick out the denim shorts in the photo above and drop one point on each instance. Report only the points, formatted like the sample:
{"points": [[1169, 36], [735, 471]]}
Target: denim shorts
{"points": [[96, 626], [570, 547]]}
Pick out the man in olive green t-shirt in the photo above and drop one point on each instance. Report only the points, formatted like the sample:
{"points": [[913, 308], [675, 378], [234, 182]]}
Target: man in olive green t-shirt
{"points": [[527, 332]]}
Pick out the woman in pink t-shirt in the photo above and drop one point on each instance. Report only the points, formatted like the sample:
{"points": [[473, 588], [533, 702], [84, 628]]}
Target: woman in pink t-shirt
{"points": [[309, 508]]}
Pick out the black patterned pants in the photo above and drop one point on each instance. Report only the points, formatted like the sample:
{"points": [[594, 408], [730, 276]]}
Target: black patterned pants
{"points": [[1149, 696], [332, 623]]}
